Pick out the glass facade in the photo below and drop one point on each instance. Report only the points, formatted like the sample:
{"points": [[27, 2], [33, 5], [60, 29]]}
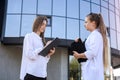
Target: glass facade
{"points": [[65, 17]]}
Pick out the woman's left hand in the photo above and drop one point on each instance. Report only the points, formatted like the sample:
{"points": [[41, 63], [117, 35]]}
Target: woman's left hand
{"points": [[76, 54]]}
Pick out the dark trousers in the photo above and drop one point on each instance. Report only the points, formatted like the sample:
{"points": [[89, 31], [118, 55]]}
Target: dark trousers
{"points": [[31, 77]]}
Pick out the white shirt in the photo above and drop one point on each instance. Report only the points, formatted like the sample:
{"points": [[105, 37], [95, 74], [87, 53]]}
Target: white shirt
{"points": [[93, 68], [32, 63]]}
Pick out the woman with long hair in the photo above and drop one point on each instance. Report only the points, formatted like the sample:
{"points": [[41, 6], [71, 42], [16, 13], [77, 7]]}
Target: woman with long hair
{"points": [[34, 66], [96, 48]]}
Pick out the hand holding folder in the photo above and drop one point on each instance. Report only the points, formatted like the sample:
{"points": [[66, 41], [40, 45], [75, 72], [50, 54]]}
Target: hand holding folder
{"points": [[49, 46]]}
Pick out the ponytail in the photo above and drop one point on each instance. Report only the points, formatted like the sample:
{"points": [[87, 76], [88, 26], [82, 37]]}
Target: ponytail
{"points": [[103, 31]]}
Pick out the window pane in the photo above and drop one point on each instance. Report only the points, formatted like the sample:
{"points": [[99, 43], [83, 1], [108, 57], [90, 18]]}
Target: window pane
{"points": [[105, 4], [58, 27], [12, 26], [44, 7], [83, 32], [118, 23], [84, 9], [27, 23], [73, 8], [118, 39], [95, 8], [48, 32], [29, 6], [111, 2], [111, 7], [72, 29], [14, 6], [96, 1], [104, 13], [117, 11], [117, 4], [112, 20], [113, 38], [58, 9]]}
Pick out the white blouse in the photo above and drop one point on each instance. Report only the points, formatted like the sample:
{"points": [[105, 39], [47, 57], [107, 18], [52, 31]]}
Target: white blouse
{"points": [[93, 68], [32, 63]]}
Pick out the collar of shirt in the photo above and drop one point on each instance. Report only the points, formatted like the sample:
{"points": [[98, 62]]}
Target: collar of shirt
{"points": [[36, 35]]}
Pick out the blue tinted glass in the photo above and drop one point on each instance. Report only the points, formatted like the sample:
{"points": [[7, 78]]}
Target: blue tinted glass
{"points": [[84, 9], [72, 29], [27, 23], [118, 23], [118, 40], [44, 7], [14, 6], [104, 13], [73, 8], [58, 27], [12, 26], [48, 32], [95, 8], [112, 20], [83, 32], [105, 4], [113, 38], [29, 6], [111, 2], [111, 7], [59, 7], [117, 4]]}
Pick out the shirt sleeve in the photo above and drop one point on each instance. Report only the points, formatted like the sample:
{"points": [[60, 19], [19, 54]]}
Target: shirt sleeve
{"points": [[28, 49], [93, 47]]}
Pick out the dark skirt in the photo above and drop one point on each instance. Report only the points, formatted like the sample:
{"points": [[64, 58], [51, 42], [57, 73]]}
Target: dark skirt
{"points": [[31, 77]]}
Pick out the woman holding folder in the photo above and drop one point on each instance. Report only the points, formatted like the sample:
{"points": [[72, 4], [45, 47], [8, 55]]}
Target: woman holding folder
{"points": [[96, 48], [34, 66]]}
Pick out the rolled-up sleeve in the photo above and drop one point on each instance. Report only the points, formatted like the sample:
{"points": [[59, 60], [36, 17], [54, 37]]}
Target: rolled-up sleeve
{"points": [[28, 49], [93, 47]]}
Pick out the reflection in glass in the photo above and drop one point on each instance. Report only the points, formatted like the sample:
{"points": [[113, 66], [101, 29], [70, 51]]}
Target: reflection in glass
{"points": [[83, 32], [74, 69], [104, 13], [27, 23], [58, 27], [118, 23], [12, 26], [113, 38], [112, 20], [84, 9], [59, 7], [44, 7], [73, 8], [72, 29], [29, 6], [14, 6], [95, 8]]}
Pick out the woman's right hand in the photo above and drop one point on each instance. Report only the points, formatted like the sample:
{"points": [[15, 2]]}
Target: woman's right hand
{"points": [[48, 43], [77, 39]]}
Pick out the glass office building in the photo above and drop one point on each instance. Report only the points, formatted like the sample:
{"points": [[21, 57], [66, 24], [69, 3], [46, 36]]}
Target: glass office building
{"points": [[65, 20]]}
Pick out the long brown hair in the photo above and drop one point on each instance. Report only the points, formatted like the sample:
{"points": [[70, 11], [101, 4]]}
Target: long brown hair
{"points": [[37, 24], [102, 29]]}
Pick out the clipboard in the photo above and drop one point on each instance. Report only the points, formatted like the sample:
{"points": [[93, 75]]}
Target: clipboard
{"points": [[46, 49]]}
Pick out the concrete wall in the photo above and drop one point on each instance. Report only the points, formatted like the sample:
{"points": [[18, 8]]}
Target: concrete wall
{"points": [[10, 61]]}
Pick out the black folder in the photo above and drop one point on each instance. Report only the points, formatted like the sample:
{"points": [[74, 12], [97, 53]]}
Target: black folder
{"points": [[79, 47], [46, 49]]}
